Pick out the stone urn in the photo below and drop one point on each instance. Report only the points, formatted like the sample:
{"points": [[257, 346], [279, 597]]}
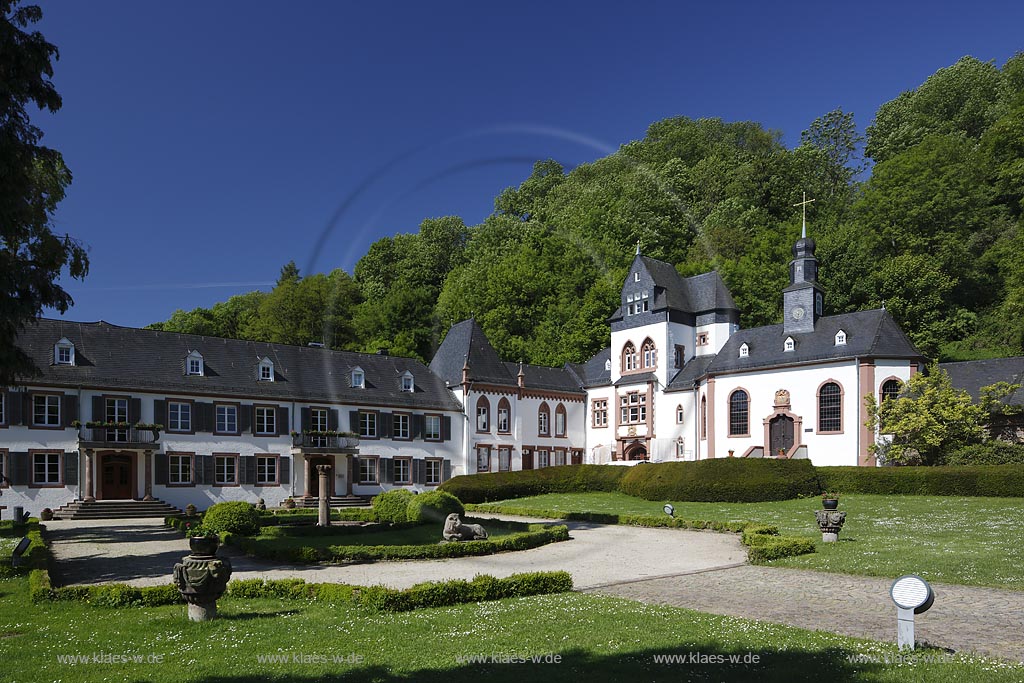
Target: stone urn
{"points": [[830, 522], [202, 577]]}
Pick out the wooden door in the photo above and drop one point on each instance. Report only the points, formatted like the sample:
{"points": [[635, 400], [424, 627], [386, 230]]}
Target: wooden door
{"points": [[117, 477], [780, 431]]}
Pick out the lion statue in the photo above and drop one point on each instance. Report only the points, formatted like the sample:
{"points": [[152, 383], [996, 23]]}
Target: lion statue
{"points": [[455, 530]]}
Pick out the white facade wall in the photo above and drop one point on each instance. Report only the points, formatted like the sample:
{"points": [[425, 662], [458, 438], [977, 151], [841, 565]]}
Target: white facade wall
{"points": [[599, 441]]}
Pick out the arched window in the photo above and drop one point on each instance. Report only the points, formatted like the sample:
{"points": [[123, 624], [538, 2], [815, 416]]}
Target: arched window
{"points": [[830, 408], [560, 420], [483, 415], [703, 417], [649, 354], [628, 357], [544, 420], [739, 413], [679, 414], [504, 416], [891, 388]]}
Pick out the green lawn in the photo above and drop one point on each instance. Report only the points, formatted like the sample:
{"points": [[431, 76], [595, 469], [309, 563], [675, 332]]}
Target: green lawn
{"points": [[972, 541], [598, 639], [423, 534]]}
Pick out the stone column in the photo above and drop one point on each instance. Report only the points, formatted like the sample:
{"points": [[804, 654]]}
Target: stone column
{"points": [[324, 516], [148, 455], [349, 475], [88, 495]]}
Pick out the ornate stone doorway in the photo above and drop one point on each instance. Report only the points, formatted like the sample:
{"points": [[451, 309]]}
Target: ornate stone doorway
{"points": [[636, 451], [782, 429]]}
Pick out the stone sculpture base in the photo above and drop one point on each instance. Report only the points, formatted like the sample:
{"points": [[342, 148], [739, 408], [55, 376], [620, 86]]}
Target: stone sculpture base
{"points": [[830, 522], [201, 579], [202, 612]]}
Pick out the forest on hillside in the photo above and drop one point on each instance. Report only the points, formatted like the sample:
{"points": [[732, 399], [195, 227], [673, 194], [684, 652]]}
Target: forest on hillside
{"points": [[931, 228]]}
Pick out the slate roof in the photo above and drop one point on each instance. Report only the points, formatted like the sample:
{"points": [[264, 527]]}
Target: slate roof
{"points": [[868, 334], [593, 373], [109, 356], [642, 378], [972, 375], [707, 292], [666, 276], [542, 377], [697, 294], [690, 373]]}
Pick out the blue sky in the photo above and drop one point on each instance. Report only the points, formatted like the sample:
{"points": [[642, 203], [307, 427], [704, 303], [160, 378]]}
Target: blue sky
{"points": [[212, 142]]}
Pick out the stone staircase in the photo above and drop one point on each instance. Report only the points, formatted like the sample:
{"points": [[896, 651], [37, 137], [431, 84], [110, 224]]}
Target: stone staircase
{"points": [[115, 509], [335, 502]]}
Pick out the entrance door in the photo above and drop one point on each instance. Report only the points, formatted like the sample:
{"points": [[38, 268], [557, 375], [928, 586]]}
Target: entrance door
{"points": [[636, 453], [117, 477], [314, 477], [780, 433]]}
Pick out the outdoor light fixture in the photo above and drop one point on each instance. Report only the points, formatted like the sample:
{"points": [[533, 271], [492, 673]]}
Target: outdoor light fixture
{"points": [[669, 510], [912, 595]]}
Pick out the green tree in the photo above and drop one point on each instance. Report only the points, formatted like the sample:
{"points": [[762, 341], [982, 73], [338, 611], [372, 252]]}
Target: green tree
{"points": [[34, 179], [928, 420]]}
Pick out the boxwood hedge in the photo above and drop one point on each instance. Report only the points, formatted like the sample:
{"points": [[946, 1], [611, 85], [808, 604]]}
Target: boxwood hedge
{"points": [[971, 480], [482, 488]]}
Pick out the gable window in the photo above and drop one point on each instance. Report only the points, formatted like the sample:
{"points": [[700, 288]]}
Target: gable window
{"points": [[400, 426], [367, 470], [46, 469], [599, 413], [739, 413], [434, 469], [544, 420], [830, 408], [266, 373], [64, 352], [790, 344], [679, 414], [403, 470], [744, 350], [504, 459], [266, 420], [432, 428], [703, 339], [266, 470], [227, 419], [483, 415], [628, 357], [703, 417], [180, 469], [678, 356], [407, 382], [633, 408], [194, 363], [650, 354], [840, 338], [179, 417], [483, 458], [46, 410], [504, 411], [891, 388], [560, 420]]}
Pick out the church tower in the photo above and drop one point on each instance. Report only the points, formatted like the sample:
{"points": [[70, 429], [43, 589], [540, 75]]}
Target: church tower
{"points": [[804, 298]]}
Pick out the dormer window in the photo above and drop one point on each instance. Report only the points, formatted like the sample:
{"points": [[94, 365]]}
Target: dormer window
{"points": [[266, 370], [407, 382], [790, 344], [636, 276], [64, 352], [358, 378], [840, 338], [194, 364], [608, 365], [744, 350]]}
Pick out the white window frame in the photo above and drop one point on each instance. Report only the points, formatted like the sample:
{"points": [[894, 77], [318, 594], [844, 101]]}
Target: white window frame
{"points": [[599, 409], [543, 458], [483, 454], [269, 415], [790, 345], [47, 413], [429, 434], [220, 474], [408, 383], [52, 467], [744, 350], [433, 478], [504, 458], [358, 378], [406, 464], [263, 470], [182, 422], [266, 371], [504, 421], [544, 422], [64, 345], [194, 364], [364, 468], [221, 414], [174, 469], [401, 426], [367, 424], [841, 338], [560, 421]]}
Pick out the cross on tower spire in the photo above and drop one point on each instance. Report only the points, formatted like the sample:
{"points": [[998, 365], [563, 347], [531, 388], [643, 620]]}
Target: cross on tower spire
{"points": [[804, 204], [638, 247]]}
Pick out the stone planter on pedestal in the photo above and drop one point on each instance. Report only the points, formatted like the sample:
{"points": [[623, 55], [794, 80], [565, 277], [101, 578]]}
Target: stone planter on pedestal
{"points": [[830, 522], [202, 577]]}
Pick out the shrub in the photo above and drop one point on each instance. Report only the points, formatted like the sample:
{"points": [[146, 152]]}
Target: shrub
{"points": [[392, 506], [39, 587], [482, 488], [965, 480], [236, 517], [774, 547], [727, 480], [433, 507], [993, 452]]}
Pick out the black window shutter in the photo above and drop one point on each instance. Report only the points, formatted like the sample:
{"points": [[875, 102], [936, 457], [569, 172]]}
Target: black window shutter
{"points": [[162, 465], [282, 421], [248, 469], [98, 414], [26, 409], [446, 470], [209, 417], [134, 410], [384, 425], [304, 419], [387, 470], [160, 412], [199, 418], [527, 460], [332, 419], [418, 425], [19, 468], [14, 413], [69, 411], [209, 475], [285, 469], [419, 472], [446, 428], [244, 419], [71, 468], [353, 421]]}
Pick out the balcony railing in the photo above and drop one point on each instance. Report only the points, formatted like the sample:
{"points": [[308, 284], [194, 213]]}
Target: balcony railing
{"points": [[330, 442], [118, 435]]}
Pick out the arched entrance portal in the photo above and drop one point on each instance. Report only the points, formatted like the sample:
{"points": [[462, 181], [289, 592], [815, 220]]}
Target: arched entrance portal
{"points": [[780, 434], [636, 452]]}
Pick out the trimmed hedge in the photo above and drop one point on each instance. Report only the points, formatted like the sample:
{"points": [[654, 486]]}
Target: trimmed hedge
{"points": [[974, 480], [434, 507], [536, 536], [236, 517], [722, 480], [393, 506], [482, 488], [993, 452]]}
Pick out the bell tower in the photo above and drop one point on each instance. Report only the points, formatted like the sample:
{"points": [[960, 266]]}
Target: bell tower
{"points": [[803, 299]]}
